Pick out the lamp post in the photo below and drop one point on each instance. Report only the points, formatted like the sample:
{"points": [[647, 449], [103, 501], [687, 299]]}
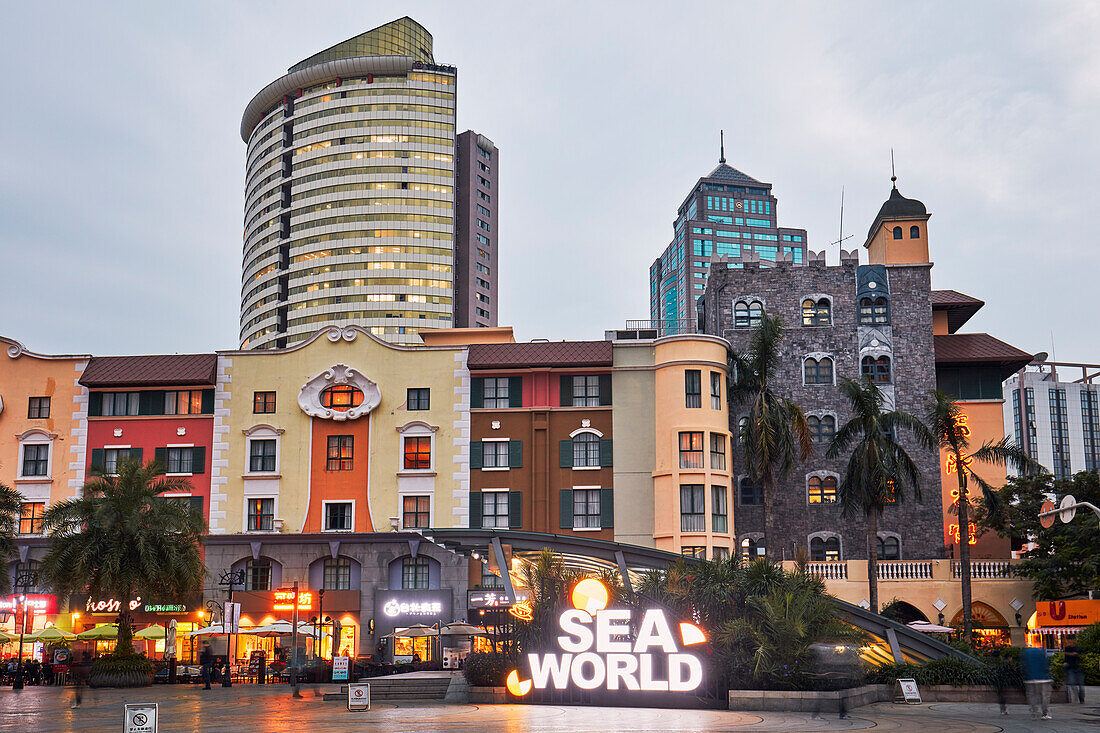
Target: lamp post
{"points": [[230, 578], [26, 581]]}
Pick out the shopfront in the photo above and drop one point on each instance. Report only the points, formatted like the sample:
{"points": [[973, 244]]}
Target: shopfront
{"points": [[32, 611], [401, 609], [1054, 621], [145, 613], [333, 613]]}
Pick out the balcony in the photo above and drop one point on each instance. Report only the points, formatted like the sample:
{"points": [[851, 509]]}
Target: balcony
{"points": [[911, 570]]}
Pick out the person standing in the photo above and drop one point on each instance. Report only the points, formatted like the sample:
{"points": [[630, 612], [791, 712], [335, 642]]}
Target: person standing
{"points": [[206, 661], [1075, 676], [1037, 680]]}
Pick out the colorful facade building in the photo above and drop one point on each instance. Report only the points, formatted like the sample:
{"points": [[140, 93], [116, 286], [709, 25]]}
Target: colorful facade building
{"points": [[153, 407]]}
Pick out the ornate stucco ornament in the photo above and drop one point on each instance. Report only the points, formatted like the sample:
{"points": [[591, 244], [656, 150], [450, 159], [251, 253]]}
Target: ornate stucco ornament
{"points": [[309, 398]]}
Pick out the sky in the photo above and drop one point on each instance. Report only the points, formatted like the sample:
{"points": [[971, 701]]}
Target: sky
{"points": [[122, 166]]}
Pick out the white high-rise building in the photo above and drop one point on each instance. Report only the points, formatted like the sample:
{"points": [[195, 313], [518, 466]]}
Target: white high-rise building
{"points": [[350, 193]]}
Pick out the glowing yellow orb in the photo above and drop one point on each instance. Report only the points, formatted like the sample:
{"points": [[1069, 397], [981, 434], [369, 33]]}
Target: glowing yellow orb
{"points": [[691, 634], [516, 686], [590, 595]]}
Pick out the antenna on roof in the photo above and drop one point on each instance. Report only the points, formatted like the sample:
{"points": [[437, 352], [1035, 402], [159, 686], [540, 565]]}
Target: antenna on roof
{"points": [[840, 241], [893, 175], [722, 146]]}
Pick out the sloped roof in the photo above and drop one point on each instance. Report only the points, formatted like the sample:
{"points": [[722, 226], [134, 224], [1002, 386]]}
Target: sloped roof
{"points": [[959, 307], [401, 37], [726, 173], [151, 371], [978, 348], [540, 353], [897, 207]]}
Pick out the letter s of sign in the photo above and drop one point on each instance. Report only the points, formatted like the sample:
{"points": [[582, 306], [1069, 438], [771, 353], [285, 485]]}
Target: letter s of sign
{"points": [[1057, 610], [575, 623]]}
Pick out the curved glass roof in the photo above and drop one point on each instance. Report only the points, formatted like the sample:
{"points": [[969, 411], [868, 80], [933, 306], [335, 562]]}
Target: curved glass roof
{"points": [[402, 37]]}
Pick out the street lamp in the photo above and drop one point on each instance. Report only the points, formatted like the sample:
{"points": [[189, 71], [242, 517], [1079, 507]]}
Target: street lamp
{"points": [[25, 581], [230, 578]]}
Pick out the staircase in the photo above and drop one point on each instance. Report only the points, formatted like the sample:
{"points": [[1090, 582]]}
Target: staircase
{"points": [[401, 687]]}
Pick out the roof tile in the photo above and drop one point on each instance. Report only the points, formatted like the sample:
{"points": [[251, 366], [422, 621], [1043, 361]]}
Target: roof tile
{"points": [[150, 371], [540, 353]]}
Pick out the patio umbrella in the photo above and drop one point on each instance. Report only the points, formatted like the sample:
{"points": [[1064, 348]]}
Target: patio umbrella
{"points": [[50, 635], [156, 631], [416, 631], [211, 630], [929, 628], [6, 638], [99, 633], [282, 628], [461, 629]]}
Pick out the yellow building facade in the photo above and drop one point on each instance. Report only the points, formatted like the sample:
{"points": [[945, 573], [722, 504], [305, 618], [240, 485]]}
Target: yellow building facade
{"points": [[343, 432]]}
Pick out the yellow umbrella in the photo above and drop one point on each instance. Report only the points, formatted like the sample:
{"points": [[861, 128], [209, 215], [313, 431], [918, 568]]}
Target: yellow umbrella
{"points": [[6, 638], [99, 633], [156, 631], [50, 635]]}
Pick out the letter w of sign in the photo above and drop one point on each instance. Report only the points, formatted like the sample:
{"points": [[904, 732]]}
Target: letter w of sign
{"points": [[550, 665]]}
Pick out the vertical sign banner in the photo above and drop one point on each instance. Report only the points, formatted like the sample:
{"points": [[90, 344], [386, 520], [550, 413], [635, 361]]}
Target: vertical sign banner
{"points": [[140, 718], [233, 618], [358, 696]]}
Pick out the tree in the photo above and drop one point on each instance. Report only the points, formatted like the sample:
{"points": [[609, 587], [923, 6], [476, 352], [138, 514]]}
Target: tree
{"points": [[949, 426], [11, 504], [1065, 561], [879, 469], [122, 537], [775, 434]]}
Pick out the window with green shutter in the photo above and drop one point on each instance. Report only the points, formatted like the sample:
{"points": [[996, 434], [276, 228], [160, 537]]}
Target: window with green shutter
{"points": [[475, 510], [607, 508], [565, 508], [515, 454], [515, 509]]}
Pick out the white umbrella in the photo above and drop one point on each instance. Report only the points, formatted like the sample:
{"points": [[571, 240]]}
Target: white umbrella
{"points": [[211, 630], [416, 631], [461, 629], [282, 628], [929, 628]]}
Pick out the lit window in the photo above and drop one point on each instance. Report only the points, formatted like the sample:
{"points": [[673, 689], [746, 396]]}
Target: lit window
{"points": [[873, 312], [261, 515], [691, 450], [418, 453], [825, 550], [341, 453], [877, 370], [751, 549], [263, 403], [816, 312], [822, 490], [30, 517], [819, 371], [341, 397]]}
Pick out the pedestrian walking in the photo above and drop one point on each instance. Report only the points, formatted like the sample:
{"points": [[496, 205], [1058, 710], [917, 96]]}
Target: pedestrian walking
{"points": [[206, 660], [1037, 680], [80, 674], [1075, 676]]}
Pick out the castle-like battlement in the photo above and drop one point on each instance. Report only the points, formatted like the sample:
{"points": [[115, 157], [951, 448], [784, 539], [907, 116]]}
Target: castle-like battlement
{"points": [[752, 260]]}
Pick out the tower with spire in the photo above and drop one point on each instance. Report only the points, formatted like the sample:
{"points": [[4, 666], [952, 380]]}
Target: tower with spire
{"points": [[726, 213]]}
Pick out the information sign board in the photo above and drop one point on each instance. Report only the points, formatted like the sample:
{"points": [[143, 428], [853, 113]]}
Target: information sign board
{"points": [[340, 669], [358, 696], [140, 718], [908, 692]]}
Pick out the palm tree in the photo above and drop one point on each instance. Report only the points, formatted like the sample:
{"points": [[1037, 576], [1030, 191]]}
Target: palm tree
{"points": [[879, 469], [949, 426], [122, 537], [775, 435], [11, 503]]}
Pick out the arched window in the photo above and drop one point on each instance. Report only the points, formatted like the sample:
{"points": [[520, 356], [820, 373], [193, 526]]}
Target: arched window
{"points": [[897, 232], [914, 232], [341, 397], [889, 548], [742, 426], [586, 450], [756, 313], [751, 549], [337, 574], [816, 312], [414, 573], [822, 550], [873, 311], [822, 490], [741, 314], [877, 370], [751, 494], [822, 429], [257, 574], [819, 371], [27, 578]]}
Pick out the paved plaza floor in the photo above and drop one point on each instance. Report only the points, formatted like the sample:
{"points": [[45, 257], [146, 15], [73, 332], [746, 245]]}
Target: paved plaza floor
{"points": [[271, 708]]}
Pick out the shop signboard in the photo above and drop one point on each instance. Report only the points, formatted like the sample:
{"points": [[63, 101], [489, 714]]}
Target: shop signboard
{"points": [[599, 651], [112, 606], [284, 600], [140, 718], [340, 667], [358, 696], [38, 603], [396, 609], [497, 598], [1067, 613]]}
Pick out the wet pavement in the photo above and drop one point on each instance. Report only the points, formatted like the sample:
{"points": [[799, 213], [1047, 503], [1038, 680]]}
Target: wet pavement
{"points": [[271, 708]]}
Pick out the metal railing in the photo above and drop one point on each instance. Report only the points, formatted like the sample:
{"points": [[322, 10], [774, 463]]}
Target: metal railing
{"points": [[663, 327]]}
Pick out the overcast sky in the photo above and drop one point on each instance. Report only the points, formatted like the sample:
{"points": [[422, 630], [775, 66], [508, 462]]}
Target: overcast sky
{"points": [[121, 164]]}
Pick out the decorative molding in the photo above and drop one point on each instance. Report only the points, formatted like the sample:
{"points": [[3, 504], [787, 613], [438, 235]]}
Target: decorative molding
{"points": [[32, 432], [417, 427], [309, 398], [117, 432], [342, 333], [593, 431], [249, 432]]}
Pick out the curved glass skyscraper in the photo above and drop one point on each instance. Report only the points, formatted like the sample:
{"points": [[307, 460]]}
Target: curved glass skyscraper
{"points": [[350, 192]]}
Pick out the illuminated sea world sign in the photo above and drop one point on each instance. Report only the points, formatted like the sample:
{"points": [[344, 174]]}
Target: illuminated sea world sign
{"points": [[596, 651]]}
